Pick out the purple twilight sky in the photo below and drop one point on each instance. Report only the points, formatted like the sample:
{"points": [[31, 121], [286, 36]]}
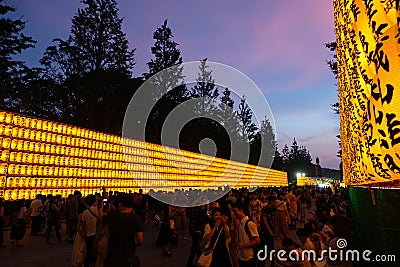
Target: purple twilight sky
{"points": [[278, 44]]}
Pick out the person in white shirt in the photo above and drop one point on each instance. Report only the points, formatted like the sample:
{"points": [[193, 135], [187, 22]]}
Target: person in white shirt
{"points": [[89, 223], [35, 207], [305, 242], [294, 255], [246, 243]]}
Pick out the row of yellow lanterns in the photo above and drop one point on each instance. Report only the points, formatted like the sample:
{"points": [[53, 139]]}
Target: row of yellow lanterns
{"points": [[24, 141], [31, 193], [31, 182], [8, 118], [138, 171], [21, 157], [88, 134], [134, 156], [57, 149]]}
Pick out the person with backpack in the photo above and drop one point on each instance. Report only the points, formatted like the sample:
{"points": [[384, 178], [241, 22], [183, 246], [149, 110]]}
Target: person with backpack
{"points": [[248, 237]]}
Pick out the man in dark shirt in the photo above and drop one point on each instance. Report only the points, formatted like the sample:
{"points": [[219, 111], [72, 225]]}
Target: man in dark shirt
{"points": [[125, 232]]}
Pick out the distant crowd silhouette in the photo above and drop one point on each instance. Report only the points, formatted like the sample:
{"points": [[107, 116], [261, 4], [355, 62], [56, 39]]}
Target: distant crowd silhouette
{"points": [[106, 228]]}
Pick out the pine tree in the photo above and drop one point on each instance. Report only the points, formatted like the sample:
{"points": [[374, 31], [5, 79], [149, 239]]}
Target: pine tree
{"points": [[165, 51], [205, 89], [94, 68], [227, 114], [96, 43], [263, 145], [285, 155], [167, 58], [248, 128], [268, 143], [277, 164], [167, 85], [297, 159]]}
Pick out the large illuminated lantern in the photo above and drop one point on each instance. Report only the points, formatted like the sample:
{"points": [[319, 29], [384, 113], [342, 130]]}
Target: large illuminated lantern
{"points": [[368, 57], [39, 156]]}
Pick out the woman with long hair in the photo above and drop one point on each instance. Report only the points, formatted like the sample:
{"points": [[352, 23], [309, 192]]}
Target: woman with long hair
{"points": [[79, 248]]}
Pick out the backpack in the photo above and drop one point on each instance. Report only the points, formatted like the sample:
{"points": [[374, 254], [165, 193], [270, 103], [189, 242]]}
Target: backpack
{"points": [[255, 248]]}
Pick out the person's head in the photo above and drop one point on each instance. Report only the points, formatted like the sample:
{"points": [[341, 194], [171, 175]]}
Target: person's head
{"points": [[309, 228], [288, 244], [271, 201], [229, 202], [125, 201], [214, 205], [77, 194], [90, 200], [216, 214], [254, 197], [302, 234], [315, 238], [238, 210]]}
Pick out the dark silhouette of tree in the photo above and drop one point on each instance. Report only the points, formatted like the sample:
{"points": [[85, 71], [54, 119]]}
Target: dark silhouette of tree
{"points": [[248, 129], [93, 67], [263, 145], [229, 121], [205, 89], [332, 63], [96, 43], [166, 56], [205, 103], [227, 114], [13, 73], [168, 85], [227, 99], [278, 164], [269, 143], [297, 159]]}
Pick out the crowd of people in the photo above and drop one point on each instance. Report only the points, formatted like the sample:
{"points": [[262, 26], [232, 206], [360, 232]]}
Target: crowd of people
{"points": [[106, 228]]}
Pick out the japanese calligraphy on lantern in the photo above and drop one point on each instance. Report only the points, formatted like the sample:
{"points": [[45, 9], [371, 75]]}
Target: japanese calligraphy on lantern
{"points": [[368, 56]]}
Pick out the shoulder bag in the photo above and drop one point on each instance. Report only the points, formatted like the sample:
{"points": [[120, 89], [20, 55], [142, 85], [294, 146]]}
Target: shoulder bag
{"points": [[205, 258]]}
